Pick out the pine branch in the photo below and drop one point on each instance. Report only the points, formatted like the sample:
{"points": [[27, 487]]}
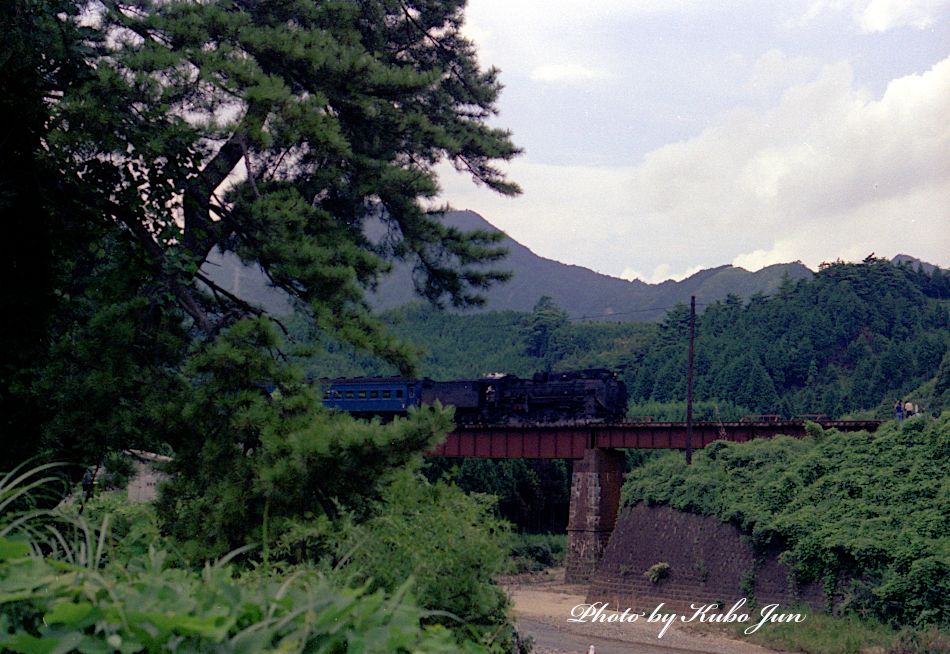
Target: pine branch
{"points": [[244, 305]]}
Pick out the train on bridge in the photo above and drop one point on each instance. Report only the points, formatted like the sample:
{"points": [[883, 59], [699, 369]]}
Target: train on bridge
{"points": [[560, 415], [549, 398]]}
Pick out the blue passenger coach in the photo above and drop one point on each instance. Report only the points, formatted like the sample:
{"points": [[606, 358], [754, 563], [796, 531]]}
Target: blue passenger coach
{"points": [[371, 395]]}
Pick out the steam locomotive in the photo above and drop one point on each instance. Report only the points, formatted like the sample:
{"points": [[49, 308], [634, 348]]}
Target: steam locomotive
{"points": [[559, 398]]}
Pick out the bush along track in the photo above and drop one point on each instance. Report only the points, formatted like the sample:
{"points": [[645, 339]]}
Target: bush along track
{"points": [[865, 514]]}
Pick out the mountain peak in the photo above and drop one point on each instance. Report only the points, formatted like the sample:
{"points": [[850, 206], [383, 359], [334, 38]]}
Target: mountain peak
{"points": [[585, 293]]}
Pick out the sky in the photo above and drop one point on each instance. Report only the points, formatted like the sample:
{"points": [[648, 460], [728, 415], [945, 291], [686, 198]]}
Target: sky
{"points": [[662, 137]]}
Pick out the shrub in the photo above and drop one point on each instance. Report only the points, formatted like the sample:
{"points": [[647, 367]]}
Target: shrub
{"points": [[51, 605], [450, 543], [657, 572], [119, 470], [534, 552]]}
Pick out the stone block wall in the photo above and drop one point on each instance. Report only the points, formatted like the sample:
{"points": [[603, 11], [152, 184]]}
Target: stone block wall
{"points": [[595, 497], [709, 561]]}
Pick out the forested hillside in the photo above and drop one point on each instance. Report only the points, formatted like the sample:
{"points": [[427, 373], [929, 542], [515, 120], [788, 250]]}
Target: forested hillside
{"points": [[853, 338], [456, 346]]}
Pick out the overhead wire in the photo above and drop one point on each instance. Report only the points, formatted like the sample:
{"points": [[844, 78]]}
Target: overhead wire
{"points": [[595, 317]]}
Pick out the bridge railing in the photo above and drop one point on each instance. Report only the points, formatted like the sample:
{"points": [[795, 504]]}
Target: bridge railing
{"points": [[572, 441]]}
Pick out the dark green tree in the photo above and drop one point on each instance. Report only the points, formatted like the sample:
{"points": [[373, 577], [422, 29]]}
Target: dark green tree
{"points": [[276, 453], [276, 130], [141, 136], [942, 383], [547, 321]]}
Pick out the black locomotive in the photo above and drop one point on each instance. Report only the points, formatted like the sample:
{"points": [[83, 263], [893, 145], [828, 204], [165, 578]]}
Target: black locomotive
{"points": [[558, 398]]}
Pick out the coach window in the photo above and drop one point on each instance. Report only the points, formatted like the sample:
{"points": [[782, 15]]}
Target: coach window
{"points": [[399, 393], [349, 395], [387, 394], [374, 395], [362, 395]]}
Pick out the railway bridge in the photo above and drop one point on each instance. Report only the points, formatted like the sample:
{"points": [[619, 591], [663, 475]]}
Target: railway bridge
{"points": [[599, 463]]}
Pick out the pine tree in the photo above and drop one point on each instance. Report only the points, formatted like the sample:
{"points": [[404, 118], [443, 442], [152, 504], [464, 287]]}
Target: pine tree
{"points": [[276, 130], [547, 320], [141, 136]]}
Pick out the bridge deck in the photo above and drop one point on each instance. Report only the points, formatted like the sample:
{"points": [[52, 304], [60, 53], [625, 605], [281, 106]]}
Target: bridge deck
{"points": [[570, 442]]}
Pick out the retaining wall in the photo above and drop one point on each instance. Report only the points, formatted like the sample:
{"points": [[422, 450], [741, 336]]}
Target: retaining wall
{"points": [[709, 561]]}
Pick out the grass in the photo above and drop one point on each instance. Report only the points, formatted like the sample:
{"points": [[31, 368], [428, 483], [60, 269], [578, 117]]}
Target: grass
{"points": [[821, 633]]}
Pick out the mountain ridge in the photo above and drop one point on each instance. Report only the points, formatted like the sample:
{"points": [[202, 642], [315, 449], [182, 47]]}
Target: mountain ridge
{"points": [[583, 293]]}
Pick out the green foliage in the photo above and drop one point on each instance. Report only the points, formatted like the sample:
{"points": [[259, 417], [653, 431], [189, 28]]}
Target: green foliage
{"points": [[870, 507], [657, 572], [450, 543], [52, 230], [105, 382], [533, 494], [244, 451], [118, 469], [853, 337], [941, 391], [848, 634], [54, 606], [25, 490], [67, 584], [534, 552], [825, 634], [547, 321], [134, 527]]}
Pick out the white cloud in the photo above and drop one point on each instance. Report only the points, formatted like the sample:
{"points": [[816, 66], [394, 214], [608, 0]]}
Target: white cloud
{"points": [[521, 37], [827, 171], [826, 156], [777, 70], [567, 73], [883, 15], [911, 223]]}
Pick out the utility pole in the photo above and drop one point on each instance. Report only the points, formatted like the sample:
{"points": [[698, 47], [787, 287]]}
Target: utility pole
{"points": [[689, 381]]}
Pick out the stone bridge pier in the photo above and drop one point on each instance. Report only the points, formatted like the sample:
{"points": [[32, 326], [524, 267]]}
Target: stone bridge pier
{"points": [[595, 500]]}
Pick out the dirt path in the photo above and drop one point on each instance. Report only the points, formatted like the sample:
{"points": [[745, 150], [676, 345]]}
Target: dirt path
{"points": [[543, 602]]}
